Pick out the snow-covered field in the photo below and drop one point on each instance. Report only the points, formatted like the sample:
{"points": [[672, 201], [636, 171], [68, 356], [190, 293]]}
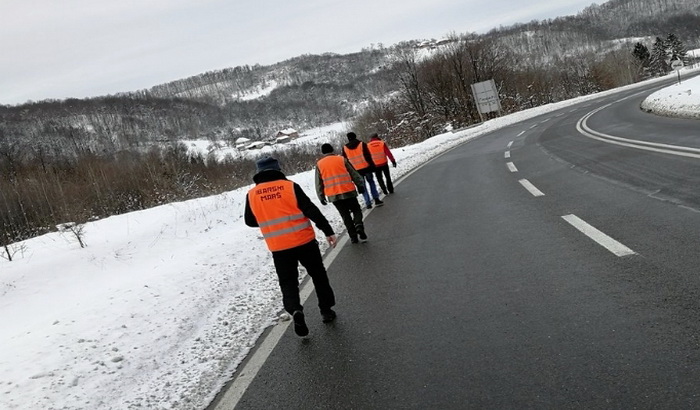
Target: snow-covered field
{"points": [[162, 305]]}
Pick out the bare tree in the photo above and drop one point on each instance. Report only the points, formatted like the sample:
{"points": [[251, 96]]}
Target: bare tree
{"points": [[10, 250], [408, 76], [78, 231]]}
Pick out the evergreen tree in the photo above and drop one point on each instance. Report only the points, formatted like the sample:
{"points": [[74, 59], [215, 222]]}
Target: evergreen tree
{"points": [[659, 59], [641, 53], [675, 48]]}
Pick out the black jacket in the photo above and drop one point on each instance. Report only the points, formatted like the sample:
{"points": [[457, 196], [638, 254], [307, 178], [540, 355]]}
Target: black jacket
{"points": [[307, 207]]}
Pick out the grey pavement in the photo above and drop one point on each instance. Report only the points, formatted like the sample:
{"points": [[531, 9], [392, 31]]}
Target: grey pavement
{"points": [[473, 293]]}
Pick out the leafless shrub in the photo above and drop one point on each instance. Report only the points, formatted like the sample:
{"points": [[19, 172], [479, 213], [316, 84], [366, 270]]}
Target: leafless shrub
{"points": [[10, 250], [78, 231]]}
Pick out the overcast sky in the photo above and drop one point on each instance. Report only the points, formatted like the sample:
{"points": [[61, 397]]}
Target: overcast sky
{"points": [[83, 48]]}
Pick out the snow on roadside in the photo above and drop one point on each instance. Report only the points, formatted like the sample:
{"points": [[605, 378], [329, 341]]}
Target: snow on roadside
{"points": [[679, 100]]}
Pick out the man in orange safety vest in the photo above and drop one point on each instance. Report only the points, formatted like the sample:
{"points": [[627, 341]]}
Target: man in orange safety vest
{"points": [[381, 155], [360, 158], [336, 180], [283, 212]]}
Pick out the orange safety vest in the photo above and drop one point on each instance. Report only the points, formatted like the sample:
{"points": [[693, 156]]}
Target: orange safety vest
{"points": [[356, 156], [336, 179], [281, 222], [376, 148]]}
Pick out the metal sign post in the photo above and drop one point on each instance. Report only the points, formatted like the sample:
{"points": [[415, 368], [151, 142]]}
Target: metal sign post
{"points": [[677, 65]]}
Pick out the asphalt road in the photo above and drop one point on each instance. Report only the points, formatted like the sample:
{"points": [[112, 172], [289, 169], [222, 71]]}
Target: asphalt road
{"points": [[533, 267]]}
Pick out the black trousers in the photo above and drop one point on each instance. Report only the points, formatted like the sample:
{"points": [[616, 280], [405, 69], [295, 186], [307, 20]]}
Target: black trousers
{"points": [[384, 169], [351, 212], [287, 266]]}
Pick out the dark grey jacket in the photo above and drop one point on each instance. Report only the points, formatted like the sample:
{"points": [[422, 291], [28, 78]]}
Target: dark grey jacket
{"points": [[356, 179]]}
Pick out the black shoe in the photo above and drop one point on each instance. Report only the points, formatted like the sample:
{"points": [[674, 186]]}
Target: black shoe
{"points": [[363, 236], [353, 240], [386, 192], [300, 327], [328, 315], [378, 202], [369, 206]]}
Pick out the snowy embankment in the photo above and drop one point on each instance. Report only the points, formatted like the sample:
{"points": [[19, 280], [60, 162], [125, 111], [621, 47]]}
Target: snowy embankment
{"points": [[679, 100], [162, 305]]}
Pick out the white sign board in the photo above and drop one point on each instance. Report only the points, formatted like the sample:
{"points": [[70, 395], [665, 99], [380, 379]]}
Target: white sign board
{"points": [[676, 64], [486, 96]]}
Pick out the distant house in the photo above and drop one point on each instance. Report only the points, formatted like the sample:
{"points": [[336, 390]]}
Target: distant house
{"points": [[283, 140], [255, 145], [289, 132], [242, 142]]}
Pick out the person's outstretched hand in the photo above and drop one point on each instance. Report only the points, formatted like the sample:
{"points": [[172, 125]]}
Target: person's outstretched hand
{"points": [[332, 240]]}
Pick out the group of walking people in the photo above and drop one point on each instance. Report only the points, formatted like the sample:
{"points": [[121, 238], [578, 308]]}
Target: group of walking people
{"points": [[339, 179], [283, 212]]}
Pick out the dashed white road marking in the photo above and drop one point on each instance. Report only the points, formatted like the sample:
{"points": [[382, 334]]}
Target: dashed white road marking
{"points": [[533, 126], [507, 154], [531, 188], [512, 167], [521, 133], [603, 240], [545, 120], [510, 144]]}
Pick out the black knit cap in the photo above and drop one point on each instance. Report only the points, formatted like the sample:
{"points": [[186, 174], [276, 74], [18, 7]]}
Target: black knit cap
{"points": [[267, 164], [352, 136], [326, 148]]}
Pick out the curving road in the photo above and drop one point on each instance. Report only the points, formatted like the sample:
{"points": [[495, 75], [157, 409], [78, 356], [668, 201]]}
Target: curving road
{"points": [[549, 264]]}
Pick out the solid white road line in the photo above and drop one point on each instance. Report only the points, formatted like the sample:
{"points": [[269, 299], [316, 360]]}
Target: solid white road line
{"points": [[507, 154], [512, 167], [679, 150], [531, 188], [246, 374], [604, 240]]}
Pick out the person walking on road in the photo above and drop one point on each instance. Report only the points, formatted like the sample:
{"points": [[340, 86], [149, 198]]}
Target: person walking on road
{"points": [[381, 155], [336, 180], [283, 212], [360, 158]]}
